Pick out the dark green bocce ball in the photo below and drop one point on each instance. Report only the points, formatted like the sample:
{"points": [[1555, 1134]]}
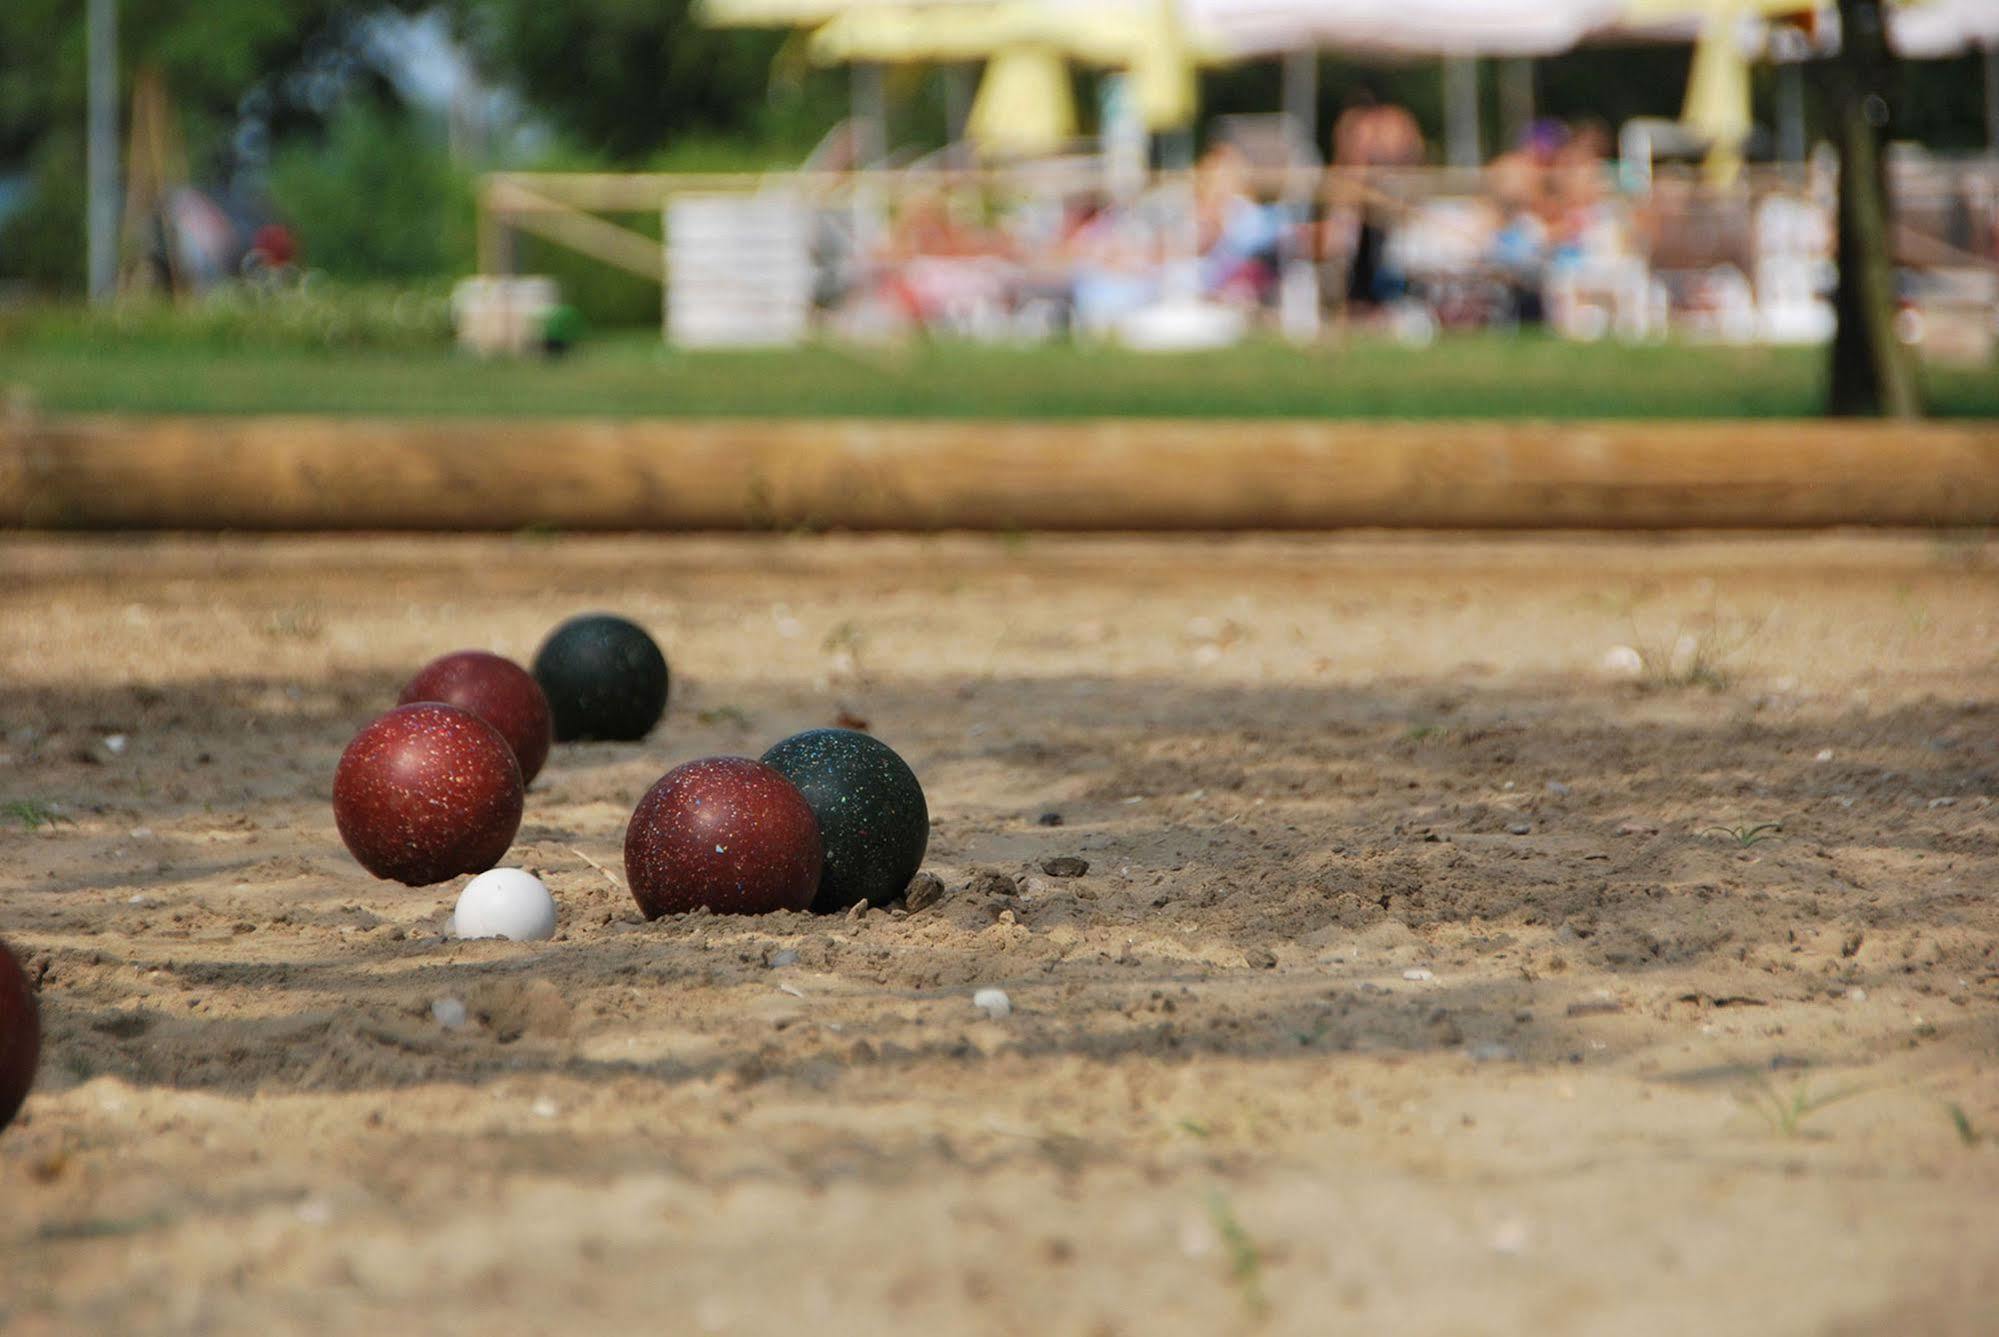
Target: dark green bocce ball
{"points": [[871, 813], [604, 678]]}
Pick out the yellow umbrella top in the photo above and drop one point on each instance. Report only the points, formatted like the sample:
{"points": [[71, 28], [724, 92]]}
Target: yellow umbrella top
{"points": [[1023, 108], [1718, 93]]}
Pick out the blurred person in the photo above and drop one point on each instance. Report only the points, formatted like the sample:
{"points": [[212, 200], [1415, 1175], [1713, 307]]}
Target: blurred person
{"points": [[1368, 138], [1576, 208], [274, 244], [937, 270], [1594, 280], [1116, 264], [1522, 182], [273, 252], [1235, 235]]}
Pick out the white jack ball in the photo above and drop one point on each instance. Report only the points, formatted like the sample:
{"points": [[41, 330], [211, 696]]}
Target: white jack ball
{"points": [[505, 903]]}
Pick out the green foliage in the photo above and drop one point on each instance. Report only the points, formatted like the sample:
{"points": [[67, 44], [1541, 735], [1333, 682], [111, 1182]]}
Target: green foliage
{"points": [[316, 316], [34, 814], [632, 78], [1786, 1111], [1484, 375], [1961, 1122], [604, 297], [1245, 1259], [1745, 835], [210, 56], [378, 198], [43, 243]]}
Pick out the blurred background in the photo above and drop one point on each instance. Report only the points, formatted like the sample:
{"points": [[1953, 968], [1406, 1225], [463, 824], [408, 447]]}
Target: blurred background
{"points": [[993, 184]]}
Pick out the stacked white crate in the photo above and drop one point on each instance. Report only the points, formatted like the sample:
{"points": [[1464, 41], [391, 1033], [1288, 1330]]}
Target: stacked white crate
{"points": [[502, 314], [739, 270]]}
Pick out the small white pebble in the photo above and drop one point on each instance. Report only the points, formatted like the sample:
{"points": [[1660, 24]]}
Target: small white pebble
{"points": [[1623, 659], [1856, 994], [139, 898], [142, 833], [544, 1108], [450, 1013], [791, 989], [1418, 973], [114, 743], [993, 1002], [1510, 1237], [1825, 754]]}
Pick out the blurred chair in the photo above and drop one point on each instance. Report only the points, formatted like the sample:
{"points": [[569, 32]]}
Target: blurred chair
{"points": [[1795, 272]]}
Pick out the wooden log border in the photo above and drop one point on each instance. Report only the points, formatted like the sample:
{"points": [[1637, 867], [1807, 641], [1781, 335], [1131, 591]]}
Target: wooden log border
{"points": [[339, 473]]}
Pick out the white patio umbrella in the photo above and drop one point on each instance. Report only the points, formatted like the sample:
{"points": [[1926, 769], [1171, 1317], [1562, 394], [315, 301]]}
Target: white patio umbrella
{"points": [[1250, 28], [1398, 27], [1457, 31], [1938, 29]]}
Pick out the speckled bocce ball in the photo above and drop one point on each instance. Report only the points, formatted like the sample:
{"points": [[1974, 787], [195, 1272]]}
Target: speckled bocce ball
{"points": [[498, 691], [604, 677], [20, 1036], [426, 792], [871, 813], [725, 833]]}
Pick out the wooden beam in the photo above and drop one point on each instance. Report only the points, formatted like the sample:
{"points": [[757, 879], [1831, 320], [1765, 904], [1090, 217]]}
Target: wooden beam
{"points": [[647, 192], [514, 204], [283, 473]]}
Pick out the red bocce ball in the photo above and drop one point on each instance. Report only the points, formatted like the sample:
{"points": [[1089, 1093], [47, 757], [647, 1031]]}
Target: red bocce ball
{"points": [[726, 833], [426, 792], [20, 1036], [498, 691]]}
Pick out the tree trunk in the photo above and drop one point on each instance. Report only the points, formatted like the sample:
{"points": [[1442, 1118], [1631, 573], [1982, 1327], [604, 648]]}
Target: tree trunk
{"points": [[1873, 375]]}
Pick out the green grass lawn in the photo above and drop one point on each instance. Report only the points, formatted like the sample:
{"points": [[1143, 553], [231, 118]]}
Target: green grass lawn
{"points": [[1460, 376]]}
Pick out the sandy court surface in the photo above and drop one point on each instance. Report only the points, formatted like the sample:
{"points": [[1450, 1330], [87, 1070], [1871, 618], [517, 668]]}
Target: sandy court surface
{"points": [[1413, 986]]}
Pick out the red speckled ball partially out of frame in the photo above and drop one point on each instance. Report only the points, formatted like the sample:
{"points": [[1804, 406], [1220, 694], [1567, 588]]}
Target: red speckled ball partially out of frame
{"points": [[498, 691], [20, 1036], [426, 792], [725, 833]]}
